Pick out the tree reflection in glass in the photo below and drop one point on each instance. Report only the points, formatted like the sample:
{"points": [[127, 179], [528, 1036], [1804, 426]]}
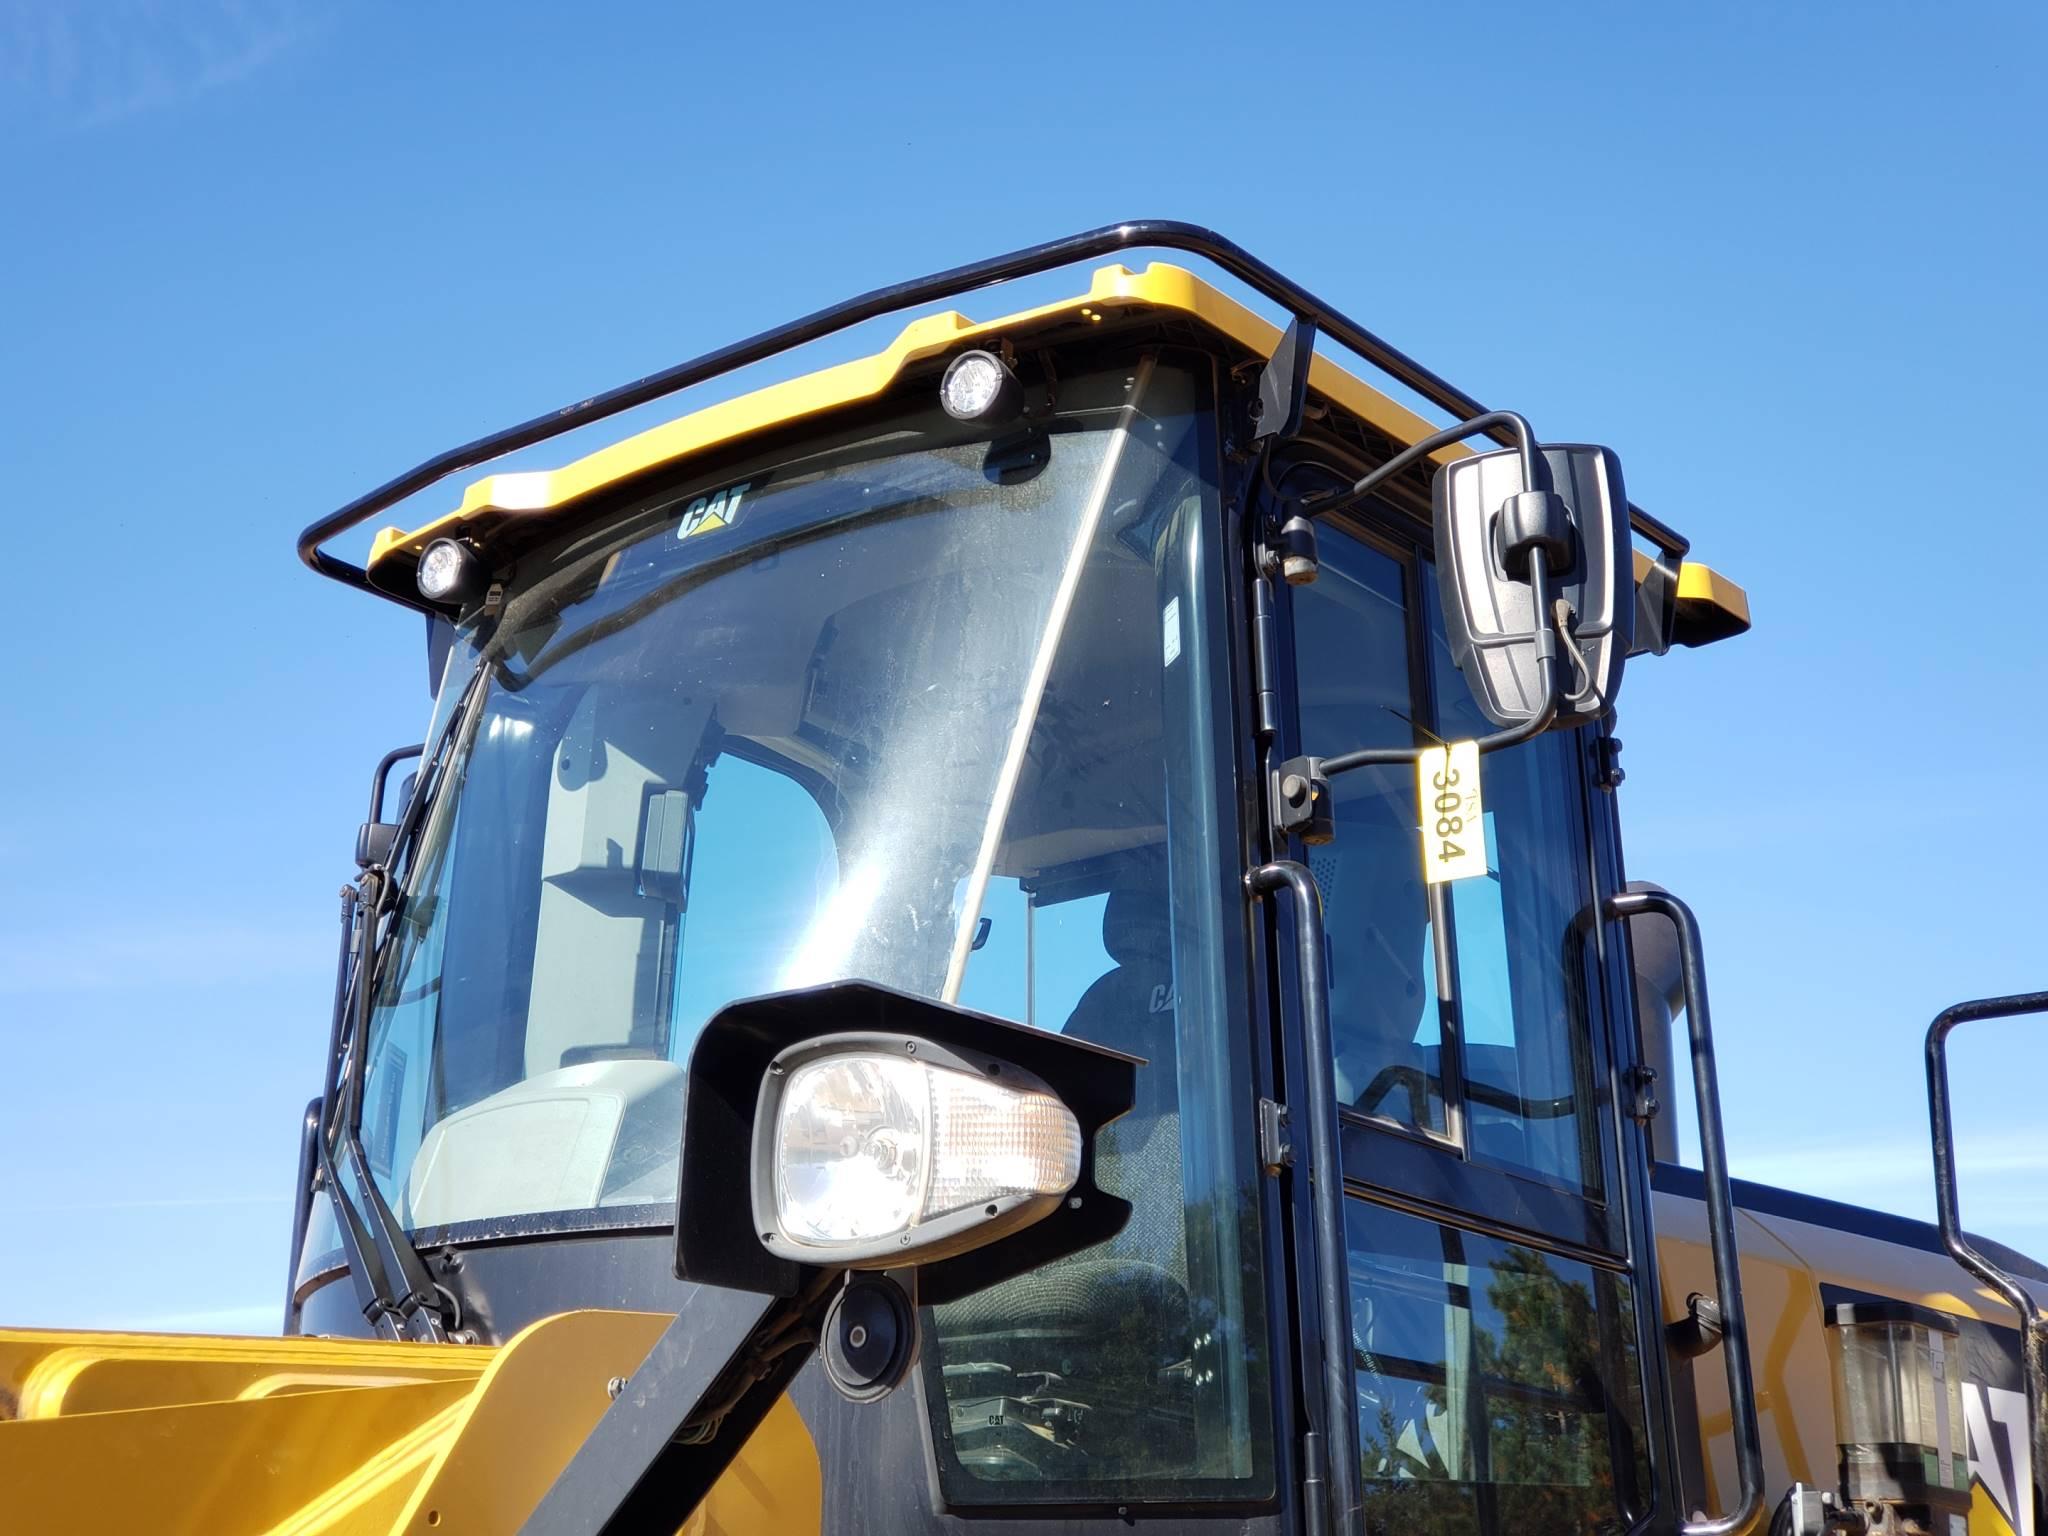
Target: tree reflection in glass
{"points": [[1498, 1387]]}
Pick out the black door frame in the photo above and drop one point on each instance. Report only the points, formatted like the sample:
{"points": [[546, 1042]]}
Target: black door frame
{"points": [[1420, 1174]]}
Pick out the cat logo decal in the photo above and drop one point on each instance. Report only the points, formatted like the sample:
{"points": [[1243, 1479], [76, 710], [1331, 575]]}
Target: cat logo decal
{"points": [[707, 514]]}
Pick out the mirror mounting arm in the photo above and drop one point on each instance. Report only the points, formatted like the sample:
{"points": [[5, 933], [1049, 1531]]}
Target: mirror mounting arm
{"points": [[1514, 735], [1535, 473]]}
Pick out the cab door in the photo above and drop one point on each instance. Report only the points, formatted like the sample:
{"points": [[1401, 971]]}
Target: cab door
{"points": [[1493, 1191]]}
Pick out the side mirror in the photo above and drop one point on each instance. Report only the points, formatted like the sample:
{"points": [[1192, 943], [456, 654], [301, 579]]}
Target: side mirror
{"points": [[376, 837], [851, 1127], [374, 840], [1490, 527]]}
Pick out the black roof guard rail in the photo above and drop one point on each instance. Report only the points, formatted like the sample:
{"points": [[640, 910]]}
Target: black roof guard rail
{"points": [[1157, 234]]}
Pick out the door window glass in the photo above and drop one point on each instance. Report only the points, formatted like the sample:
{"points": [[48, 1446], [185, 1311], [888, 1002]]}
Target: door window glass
{"points": [[1352, 650], [1138, 1367], [1497, 1385], [1513, 1006], [1521, 971]]}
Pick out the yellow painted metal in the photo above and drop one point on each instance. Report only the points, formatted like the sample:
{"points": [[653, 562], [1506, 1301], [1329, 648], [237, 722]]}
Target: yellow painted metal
{"points": [[1985, 1519], [1710, 606], [1113, 292], [240, 1465], [44, 1373], [311, 1437], [1784, 1264]]}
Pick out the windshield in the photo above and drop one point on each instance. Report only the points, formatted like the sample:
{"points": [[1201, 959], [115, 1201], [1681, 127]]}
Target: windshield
{"points": [[934, 712]]}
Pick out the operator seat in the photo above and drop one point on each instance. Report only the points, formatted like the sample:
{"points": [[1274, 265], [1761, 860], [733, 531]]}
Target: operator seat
{"points": [[1131, 1006], [1133, 1286]]}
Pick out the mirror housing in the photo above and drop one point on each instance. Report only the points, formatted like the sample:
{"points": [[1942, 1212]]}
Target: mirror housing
{"points": [[374, 841], [1489, 526], [722, 1238]]}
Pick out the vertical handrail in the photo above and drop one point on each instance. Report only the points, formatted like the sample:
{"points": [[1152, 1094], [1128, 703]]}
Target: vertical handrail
{"points": [[1326, 1190], [1749, 1451], [2033, 1339], [302, 1210]]}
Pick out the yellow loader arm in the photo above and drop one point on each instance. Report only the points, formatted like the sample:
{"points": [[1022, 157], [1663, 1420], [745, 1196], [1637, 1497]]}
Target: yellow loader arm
{"points": [[166, 1433]]}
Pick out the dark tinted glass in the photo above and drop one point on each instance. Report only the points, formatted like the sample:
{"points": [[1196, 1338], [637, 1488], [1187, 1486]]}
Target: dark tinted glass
{"points": [[1516, 999], [1113, 908], [1351, 637], [1498, 1388], [1522, 1004]]}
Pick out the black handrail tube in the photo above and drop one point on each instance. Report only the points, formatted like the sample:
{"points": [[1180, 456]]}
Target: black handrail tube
{"points": [[385, 764], [348, 916], [2033, 1339], [302, 1208], [337, 1024], [1534, 475], [1326, 1189], [1160, 234], [1749, 1453]]}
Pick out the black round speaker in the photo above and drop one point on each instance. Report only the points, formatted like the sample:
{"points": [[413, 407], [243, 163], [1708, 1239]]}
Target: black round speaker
{"points": [[870, 1338]]}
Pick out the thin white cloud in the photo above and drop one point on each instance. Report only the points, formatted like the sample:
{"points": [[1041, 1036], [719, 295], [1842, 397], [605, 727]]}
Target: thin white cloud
{"points": [[113, 954], [84, 66]]}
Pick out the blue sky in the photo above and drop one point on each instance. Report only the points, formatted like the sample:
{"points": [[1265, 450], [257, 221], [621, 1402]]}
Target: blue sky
{"points": [[260, 256]]}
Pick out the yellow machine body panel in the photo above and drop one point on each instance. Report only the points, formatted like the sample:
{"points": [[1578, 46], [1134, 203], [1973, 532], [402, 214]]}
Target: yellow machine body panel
{"points": [[1785, 1263], [314, 1437]]}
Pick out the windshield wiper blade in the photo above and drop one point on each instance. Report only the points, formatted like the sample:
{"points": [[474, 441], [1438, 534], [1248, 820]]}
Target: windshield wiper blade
{"points": [[399, 1297], [377, 1248], [427, 787]]}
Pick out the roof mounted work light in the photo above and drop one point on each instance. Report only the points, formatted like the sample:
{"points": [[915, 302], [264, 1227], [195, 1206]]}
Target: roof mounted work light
{"points": [[449, 572], [980, 386]]}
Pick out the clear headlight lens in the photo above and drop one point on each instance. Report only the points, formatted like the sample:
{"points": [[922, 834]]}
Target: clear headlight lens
{"points": [[868, 1145]]}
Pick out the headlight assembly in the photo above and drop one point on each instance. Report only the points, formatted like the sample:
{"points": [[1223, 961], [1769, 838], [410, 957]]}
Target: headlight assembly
{"points": [[850, 1127], [871, 1147]]}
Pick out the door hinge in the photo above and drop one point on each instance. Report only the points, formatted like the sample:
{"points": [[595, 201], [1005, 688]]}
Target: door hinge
{"points": [[1607, 769], [1315, 1484], [1643, 1105], [1276, 1145]]}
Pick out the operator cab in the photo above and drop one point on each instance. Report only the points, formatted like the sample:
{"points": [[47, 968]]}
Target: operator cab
{"points": [[838, 681]]}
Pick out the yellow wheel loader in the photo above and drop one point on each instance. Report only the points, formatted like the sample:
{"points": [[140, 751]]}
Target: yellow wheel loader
{"points": [[1025, 934]]}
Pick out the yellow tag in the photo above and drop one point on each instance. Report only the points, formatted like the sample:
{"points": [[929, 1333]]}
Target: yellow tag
{"points": [[1453, 821]]}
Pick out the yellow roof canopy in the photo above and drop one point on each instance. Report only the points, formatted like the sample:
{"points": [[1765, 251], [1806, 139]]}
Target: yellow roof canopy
{"points": [[1710, 605]]}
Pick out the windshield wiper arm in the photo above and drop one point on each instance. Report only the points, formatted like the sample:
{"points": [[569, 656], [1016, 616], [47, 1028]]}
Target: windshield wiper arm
{"points": [[377, 1248], [399, 1297]]}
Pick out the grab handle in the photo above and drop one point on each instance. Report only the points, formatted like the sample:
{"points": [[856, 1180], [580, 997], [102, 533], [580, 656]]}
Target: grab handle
{"points": [[2033, 1336], [1749, 1450], [1342, 1501]]}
